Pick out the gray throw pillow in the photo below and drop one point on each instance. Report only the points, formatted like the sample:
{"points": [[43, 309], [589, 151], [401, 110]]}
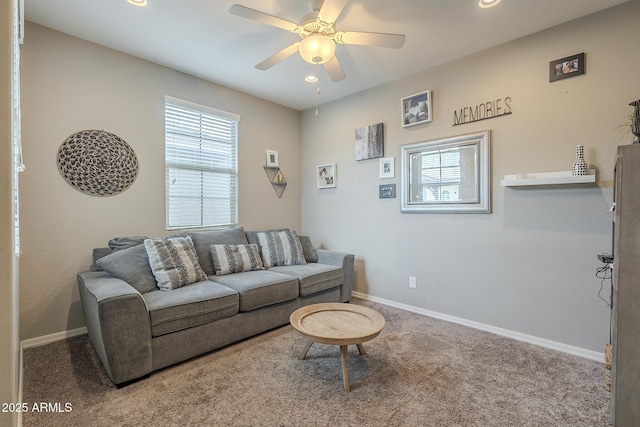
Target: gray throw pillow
{"points": [[310, 254], [202, 241], [228, 259], [119, 243], [132, 266], [174, 262], [280, 248]]}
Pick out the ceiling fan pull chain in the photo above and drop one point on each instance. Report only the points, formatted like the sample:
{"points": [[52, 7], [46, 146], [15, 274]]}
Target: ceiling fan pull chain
{"points": [[318, 87]]}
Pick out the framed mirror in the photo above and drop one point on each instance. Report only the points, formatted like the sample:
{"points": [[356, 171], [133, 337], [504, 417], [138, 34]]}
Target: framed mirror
{"points": [[450, 175]]}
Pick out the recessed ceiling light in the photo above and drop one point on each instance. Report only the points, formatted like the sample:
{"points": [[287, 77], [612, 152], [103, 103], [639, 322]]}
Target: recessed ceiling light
{"points": [[488, 3], [311, 78], [138, 2]]}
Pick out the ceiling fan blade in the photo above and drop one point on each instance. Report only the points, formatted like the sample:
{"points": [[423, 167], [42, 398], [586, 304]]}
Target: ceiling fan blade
{"points": [[265, 18], [278, 56], [331, 9], [370, 39], [334, 69]]}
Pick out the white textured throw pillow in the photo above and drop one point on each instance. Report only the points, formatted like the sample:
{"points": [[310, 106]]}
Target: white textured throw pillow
{"points": [[280, 248], [174, 262], [228, 259]]}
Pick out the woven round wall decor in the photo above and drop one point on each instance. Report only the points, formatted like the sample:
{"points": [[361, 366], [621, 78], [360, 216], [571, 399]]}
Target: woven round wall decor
{"points": [[97, 162]]}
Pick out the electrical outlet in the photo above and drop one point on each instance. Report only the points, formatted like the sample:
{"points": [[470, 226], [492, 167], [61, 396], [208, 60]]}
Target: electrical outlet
{"points": [[412, 282]]}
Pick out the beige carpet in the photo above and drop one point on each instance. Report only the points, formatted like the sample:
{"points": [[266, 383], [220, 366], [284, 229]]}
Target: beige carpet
{"points": [[418, 372]]}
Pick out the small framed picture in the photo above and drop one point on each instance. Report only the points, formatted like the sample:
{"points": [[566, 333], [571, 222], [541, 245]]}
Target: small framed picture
{"points": [[326, 175], [370, 142], [416, 109], [387, 167], [272, 159], [570, 66], [387, 191]]}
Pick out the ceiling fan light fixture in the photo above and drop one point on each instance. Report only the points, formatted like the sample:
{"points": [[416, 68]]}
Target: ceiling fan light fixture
{"points": [[317, 49], [140, 3], [488, 3]]}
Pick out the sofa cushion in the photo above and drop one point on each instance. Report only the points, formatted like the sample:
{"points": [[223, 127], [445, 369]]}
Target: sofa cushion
{"points": [[189, 306], [280, 248], [228, 259], [132, 266], [202, 240], [260, 288], [174, 262], [310, 254], [313, 277]]}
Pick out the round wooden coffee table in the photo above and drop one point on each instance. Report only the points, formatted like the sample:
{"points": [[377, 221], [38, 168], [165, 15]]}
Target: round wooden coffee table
{"points": [[337, 324]]}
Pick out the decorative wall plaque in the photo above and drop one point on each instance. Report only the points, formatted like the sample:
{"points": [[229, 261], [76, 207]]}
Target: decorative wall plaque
{"points": [[97, 162]]}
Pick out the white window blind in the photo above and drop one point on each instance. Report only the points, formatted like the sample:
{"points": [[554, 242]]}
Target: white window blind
{"points": [[201, 165], [16, 137], [440, 177]]}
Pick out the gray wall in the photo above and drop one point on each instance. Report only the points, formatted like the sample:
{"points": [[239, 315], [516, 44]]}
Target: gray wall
{"points": [[529, 266], [8, 288], [70, 85]]}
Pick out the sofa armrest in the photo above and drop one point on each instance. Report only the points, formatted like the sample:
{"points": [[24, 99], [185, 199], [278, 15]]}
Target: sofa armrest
{"points": [[344, 260], [118, 324]]}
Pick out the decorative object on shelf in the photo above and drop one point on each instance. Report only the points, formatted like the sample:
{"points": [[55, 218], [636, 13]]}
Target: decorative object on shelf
{"points": [[387, 191], [276, 177], [450, 175], [416, 108], [548, 178], [570, 66], [387, 167], [635, 121], [326, 175], [97, 162], [272, 159], [579, 166], [370, 142]]}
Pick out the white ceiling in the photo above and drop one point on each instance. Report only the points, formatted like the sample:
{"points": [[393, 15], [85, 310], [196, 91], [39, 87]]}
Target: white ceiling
{"points": [[201, 38]]}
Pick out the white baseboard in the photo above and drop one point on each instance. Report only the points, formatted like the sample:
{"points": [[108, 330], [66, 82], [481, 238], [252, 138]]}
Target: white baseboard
{"points": [[47, 339], [565, 348]]}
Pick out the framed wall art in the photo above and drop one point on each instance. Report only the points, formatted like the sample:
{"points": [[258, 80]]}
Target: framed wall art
{"points": [[387, 191], [416, 109], [370, 142], [326, 175], [570, 66], [272, 159], [387, 167]]}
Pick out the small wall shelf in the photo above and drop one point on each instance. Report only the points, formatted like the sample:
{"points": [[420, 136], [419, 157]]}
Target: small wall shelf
{"points": [[548, 178], [276, 178]]}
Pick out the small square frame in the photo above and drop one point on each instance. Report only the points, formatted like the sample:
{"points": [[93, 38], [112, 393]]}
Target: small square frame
{"points": [[564, 68], [272, 159], [387, 191], [387, 167], [326, 175], [416, 108]]}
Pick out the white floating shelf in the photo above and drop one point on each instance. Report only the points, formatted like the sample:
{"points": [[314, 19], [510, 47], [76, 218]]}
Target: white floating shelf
{"points": [[548, 178]]}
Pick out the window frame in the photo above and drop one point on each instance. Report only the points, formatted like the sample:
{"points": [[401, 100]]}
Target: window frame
{"points": [[173, 164], [479, 175]]}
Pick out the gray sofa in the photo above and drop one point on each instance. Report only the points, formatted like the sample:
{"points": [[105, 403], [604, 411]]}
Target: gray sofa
{"points": [[137, 328]]}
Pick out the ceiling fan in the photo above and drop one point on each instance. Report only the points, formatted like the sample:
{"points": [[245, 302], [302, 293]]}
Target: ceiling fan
{"points": [[318, 35]]}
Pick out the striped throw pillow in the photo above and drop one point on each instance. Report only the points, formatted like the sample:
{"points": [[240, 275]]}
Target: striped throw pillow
{"points": [[228, 259], [280, 248], [174, 262]]}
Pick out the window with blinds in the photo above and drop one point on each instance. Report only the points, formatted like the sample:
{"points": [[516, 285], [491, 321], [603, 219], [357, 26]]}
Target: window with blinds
{"points": [[16, 136], [440, 175], [201, 165]]}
